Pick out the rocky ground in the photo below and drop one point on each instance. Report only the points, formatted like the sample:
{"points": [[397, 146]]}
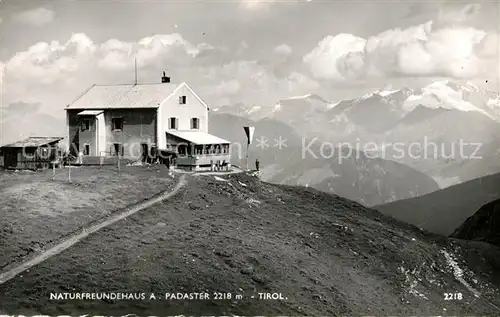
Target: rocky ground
{"points": [[235, 234]]}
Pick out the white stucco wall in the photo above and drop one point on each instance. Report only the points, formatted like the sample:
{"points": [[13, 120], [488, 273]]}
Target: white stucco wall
{"points": [[193, 108]]}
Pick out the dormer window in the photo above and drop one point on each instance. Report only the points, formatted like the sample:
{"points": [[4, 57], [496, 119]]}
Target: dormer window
{"points": [[182, 100]]}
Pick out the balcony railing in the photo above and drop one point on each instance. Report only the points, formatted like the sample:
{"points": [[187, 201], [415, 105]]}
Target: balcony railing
{"points": [[202, 159]]}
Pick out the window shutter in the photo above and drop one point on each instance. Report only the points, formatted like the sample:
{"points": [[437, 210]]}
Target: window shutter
{"points": [[177, 123]]}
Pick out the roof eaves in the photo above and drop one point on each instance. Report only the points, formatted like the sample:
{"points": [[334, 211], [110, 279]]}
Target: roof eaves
{"points": [[171, 94], [81, 95], [195, 94], [19, 144]]}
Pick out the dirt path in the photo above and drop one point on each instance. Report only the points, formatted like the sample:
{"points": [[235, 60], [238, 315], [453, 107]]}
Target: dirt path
{"points": [[234, 170], [85, 231]]}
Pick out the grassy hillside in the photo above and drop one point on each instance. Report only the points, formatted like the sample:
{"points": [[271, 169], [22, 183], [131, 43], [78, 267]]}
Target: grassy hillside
{"points": [[36, 210], [444, 210], [234, 234], [484, 225]]}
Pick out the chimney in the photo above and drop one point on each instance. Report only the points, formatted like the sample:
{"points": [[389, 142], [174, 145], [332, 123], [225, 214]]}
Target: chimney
{"points": [[165, 79]]}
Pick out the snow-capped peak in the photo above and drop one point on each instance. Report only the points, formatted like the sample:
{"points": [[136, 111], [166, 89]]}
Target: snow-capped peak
{"points": [[299, 97], [254, 109], [494, 103], [277, 107], [332, 105], [366, 96], [471, 87], [385, 93], [443, 94]]}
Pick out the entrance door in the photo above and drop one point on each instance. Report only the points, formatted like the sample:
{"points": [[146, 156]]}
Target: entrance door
{"points": [[10, 158], [118, 147]]}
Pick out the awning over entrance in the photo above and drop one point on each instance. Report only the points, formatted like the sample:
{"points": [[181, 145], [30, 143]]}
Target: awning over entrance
{"points": [[198, 137], [90, 112]]}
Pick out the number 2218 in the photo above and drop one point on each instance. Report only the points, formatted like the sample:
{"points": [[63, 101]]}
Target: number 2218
{"points": [[452, 296]]}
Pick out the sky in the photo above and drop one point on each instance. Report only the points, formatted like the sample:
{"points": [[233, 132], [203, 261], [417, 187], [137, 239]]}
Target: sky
{"points": [[240, 51]]}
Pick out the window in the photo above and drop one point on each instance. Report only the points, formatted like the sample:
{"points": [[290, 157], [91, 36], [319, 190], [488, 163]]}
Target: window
{"points": [[117, 123], [172, 123], [199, 150], [182, 150], [195, 123], [182, 100], [85, 124], [86, 149]]}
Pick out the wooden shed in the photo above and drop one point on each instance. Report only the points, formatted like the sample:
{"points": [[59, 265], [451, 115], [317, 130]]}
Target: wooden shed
{"points": [[31, 153]]}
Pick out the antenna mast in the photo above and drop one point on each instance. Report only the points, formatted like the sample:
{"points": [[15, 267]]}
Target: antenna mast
{"points": [[135, 66]]}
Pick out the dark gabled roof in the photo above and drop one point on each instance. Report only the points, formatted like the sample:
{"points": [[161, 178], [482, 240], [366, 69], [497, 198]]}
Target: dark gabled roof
{"points": [[34, 141]]}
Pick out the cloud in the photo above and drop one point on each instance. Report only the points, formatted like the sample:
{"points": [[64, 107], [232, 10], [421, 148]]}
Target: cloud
{"points": [[256, 4], [230, 87], [419, 51], [323, 59], [35, 17], [283, 49], [453, 14], [48, 63], [55, 73], [115, 55]]}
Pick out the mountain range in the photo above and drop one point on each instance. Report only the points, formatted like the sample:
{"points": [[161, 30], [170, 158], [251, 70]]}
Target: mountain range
{"points": [[443, 211], [447, 130], [303, 161], [484, 225]]}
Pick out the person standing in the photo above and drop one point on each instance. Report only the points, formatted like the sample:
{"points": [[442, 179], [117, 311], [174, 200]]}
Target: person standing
{"points": [[257, 164]]}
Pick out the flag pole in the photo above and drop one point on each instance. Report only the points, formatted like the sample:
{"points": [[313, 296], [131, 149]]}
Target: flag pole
{"points": [[249, 133], [248, 143], [135, 67]]}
